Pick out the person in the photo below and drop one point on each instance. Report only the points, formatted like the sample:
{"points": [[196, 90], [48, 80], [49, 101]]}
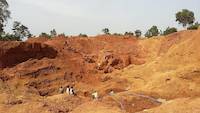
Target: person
{"points": [[111, 93], [67, 90], [71, 91], [95, 95], [61, 90]]}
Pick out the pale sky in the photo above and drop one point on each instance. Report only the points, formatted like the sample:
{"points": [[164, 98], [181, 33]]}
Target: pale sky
{"points": [[91, 16]]}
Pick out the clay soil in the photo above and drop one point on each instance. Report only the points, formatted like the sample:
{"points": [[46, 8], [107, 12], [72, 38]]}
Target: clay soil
{"points": [[156, 75]]}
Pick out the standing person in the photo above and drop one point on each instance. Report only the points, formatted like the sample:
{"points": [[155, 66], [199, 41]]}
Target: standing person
{"points": [[68, 90], [111, 93], [95, 95], [71, 91], [61, 90]]}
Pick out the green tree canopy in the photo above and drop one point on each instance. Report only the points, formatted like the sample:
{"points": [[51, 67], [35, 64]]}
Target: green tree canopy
{"points": [[45, 35], [185, 17], [20, 30], [106, 31], [4, 13], [169, 30], [194, 26], [153, 31]]}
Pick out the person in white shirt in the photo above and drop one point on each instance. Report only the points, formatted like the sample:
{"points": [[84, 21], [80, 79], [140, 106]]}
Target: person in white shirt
{"points": [[111, 93], [61, 90], [71, 91], [68, 90], [95, 95]]}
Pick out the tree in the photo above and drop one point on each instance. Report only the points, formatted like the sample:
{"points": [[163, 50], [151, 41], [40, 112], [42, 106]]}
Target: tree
{"points": [[82, 35], [169, 30], [185, 17], [21, 31], [153, 31], [53, 33], [45, 35], [9, 37], [129, 33], [106, 31], [4, 13], [194, 26], [138, 33]]}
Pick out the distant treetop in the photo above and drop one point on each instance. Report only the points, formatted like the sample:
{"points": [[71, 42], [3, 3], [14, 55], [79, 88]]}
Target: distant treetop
{"points": [[185, 17]]}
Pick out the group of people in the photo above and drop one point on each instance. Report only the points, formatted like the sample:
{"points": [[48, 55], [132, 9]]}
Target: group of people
{"points": [[69, 90], [95, 94]]}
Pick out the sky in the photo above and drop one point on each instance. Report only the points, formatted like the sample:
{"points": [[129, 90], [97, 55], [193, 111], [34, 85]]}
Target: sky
{"points": [[73, 17]]}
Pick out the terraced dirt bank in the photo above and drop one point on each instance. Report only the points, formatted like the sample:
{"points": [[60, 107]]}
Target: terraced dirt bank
{"points": [[157, 75]]}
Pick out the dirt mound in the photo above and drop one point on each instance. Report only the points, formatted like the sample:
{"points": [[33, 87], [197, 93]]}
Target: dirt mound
{"points": [[144, 75]]}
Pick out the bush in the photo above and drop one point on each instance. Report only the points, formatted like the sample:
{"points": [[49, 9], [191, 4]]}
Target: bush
{"points": [[153, 31], [129, 33], [45, 35], [9, 37], [82, 35], [194, 26], [169, 30]]}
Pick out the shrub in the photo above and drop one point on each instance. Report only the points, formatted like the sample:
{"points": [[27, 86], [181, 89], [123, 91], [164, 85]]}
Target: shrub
{"points": [[82, 35], [169, 30], [129, 33], [45, 35], [194, 26], [9, 37], [153, 31]]}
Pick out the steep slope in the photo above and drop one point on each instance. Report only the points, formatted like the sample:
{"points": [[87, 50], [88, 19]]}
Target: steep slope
{"points": [[175, 71]]}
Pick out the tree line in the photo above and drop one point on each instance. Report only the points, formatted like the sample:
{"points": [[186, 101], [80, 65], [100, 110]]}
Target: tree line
{"points": [[184, 17]]}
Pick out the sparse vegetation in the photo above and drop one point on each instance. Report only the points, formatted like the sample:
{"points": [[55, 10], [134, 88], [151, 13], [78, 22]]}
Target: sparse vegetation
{"points": [[129, 33], [45, 35], [194, 26], [9, 37], [185, 17], [82, 35], [169, 30], [153, 31]]}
